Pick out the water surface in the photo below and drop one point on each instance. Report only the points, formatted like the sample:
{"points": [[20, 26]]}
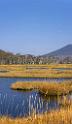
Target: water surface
{"points": [[15, 103]]}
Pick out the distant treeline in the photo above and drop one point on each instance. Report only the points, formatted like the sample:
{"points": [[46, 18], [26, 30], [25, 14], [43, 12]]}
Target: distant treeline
{"points": [[9, 58]]}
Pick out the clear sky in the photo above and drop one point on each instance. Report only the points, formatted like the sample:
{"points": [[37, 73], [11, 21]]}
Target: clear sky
{"points": [[35, 26]]}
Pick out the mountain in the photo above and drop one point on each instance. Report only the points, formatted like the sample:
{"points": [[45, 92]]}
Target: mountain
{"points": [[63, 55], [4, 53], [63, 52]]}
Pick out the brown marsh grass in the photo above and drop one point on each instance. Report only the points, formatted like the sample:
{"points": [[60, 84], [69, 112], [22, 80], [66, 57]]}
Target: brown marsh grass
{"points": [[52, 88], [62, 116], [39, 71]]}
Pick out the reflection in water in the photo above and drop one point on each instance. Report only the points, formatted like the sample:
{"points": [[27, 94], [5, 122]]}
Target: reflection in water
{"points": [[17, 106], [14, 103]]}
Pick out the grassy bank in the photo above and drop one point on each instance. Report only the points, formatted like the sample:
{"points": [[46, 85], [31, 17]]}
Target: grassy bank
{"points": [[62, 116], [45, 88], [37, 71]]}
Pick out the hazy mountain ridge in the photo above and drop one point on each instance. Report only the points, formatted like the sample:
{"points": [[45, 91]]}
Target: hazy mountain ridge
{"points": [[63, 55], [65, 51]]}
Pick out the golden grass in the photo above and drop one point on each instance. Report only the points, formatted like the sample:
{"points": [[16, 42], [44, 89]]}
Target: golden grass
{"points": [[40, 71], [62, 116], [46, 88]]}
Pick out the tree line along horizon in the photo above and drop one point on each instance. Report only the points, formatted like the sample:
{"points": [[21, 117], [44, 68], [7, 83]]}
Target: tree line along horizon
{"points": [[9, 58]]}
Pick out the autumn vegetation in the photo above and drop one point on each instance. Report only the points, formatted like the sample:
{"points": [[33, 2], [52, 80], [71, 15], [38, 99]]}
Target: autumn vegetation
{"points": [[46, 88], [37, 71], [63, 115]]}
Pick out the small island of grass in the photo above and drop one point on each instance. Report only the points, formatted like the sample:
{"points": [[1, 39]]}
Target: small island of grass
{"points": [[46, 88]]}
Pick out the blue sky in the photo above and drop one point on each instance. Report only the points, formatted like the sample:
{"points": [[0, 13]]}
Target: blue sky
{"points": [[35, 26]]}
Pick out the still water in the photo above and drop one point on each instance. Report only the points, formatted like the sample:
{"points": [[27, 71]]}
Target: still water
{"points": [[18, 104]]}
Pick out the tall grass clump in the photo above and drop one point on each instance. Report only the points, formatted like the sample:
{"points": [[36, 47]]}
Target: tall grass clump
{"points": [[53, 88]]}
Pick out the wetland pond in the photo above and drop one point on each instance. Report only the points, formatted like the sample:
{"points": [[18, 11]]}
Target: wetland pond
{"points": [[18, 104]]}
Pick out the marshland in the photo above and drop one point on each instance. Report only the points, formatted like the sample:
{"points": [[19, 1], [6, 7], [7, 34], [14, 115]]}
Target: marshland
{"points": [[33, 94], [35, 61]]}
